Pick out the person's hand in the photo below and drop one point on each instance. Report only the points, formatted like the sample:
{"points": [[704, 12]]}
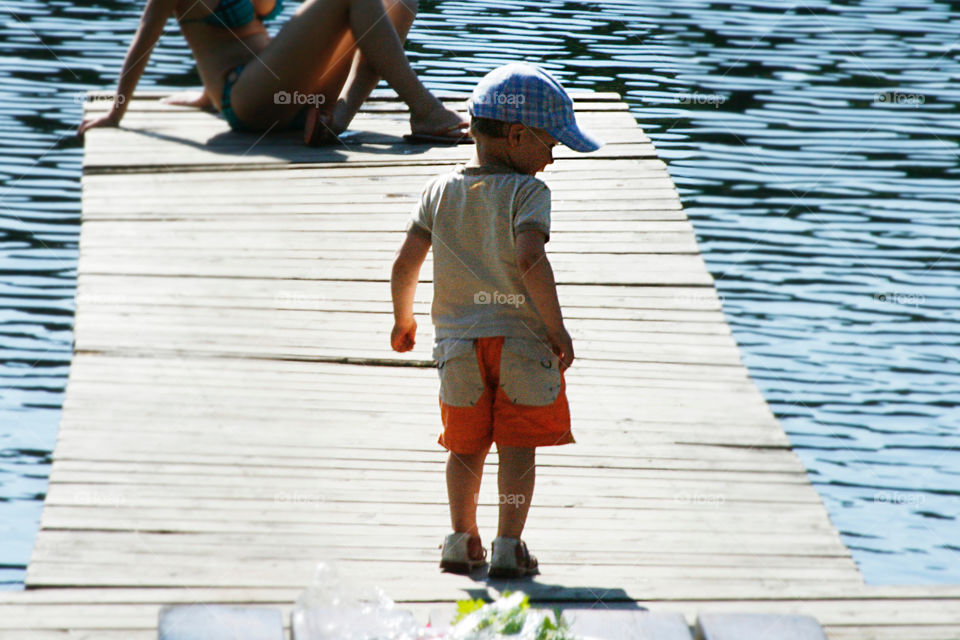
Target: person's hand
{"points": [[404, 334], [196, 99], [562, 346], [109, 119]]}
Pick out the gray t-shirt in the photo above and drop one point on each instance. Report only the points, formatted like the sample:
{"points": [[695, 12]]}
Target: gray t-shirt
{"points": [[472, 216]]}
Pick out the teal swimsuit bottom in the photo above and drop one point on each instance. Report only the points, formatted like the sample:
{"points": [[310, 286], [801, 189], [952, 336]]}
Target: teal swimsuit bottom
{"points": [[236, 124], [225, 107]]}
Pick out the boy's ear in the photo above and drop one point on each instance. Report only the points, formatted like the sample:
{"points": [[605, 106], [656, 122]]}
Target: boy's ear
{"points": [[514, 130]]}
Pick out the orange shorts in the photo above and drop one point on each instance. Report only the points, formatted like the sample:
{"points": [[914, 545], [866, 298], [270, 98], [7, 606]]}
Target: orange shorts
{"points": [[505, 390]]}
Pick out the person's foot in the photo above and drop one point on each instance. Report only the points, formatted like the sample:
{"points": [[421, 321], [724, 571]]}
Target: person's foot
{"points": [[462, 553], [440, 124], [511, 559], [318, 129]]}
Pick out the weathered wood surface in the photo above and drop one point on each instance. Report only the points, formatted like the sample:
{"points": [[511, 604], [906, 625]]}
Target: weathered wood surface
{"points": [[234, 413], [757, 626], [220, 622]]}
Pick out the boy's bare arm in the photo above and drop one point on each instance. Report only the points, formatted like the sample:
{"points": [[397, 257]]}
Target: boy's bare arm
{"points": [[537, 275], [403, 286]]}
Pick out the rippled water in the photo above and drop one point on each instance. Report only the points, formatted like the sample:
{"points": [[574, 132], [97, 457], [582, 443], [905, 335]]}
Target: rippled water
{"points": [[814, 146]]}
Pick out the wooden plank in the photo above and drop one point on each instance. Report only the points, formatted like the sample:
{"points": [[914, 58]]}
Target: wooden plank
{"points": [[220, 622], [757, 626], [175, 148], [844, 603], [778, 566], [197, 572], [364, 469], [606, 623], [111, 548], [891, 632], [414, 171], [345, 183], [609, 269], [615, 624], [76, 633]]}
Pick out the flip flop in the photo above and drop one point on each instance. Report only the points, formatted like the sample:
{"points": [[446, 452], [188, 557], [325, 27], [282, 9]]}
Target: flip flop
{"points": [[441, 137], [317, 131]]}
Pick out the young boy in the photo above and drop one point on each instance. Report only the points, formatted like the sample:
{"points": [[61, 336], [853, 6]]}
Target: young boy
{"points": [[501, 345]]}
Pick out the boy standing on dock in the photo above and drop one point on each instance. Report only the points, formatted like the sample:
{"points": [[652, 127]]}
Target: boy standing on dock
{"points": [[501, 345]]}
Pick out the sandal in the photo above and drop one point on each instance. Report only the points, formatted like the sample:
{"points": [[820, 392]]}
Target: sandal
{"points": [[456, 557], [511, 559]]}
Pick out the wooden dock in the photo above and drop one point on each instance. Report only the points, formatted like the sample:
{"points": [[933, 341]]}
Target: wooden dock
{"points": [[234, 413]]}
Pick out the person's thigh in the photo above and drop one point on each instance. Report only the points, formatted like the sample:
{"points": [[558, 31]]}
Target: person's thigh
{"points": [[292, 64]]}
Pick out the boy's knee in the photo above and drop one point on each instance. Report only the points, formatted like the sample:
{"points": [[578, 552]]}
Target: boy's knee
{"points": [[516, 452]]}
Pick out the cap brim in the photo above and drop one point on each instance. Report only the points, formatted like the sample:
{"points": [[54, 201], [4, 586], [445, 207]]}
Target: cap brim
{"points": [[577, 139]]}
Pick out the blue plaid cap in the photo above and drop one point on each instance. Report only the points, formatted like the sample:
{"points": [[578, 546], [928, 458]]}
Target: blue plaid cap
{"points": [[525, 93]]}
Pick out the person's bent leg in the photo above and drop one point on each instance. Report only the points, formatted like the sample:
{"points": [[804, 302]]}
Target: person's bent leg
{"points": [[306, 48], [515, 480], [381, 46], [363, 78], [464, 473]]}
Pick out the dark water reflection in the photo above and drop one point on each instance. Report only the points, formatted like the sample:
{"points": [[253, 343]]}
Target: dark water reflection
{"points": [[814, 145]]}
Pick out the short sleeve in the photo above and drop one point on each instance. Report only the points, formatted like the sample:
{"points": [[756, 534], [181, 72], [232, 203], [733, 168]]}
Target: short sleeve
{"points": [[421, 218], [532, 207]]}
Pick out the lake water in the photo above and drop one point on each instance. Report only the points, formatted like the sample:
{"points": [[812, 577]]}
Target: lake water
{"points": [[814, 145]]}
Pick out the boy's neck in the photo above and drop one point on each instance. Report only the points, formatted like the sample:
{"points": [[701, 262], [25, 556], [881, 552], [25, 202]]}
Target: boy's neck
{"points": [[491, 158]]}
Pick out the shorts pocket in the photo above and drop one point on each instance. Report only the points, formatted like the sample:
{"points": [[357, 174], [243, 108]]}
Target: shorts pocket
{"points": [[461, 383], [529, 372]]}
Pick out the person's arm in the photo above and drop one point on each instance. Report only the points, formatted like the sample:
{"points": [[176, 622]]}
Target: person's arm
{"points": [[154, 17], [537, 275], [403, 286]]}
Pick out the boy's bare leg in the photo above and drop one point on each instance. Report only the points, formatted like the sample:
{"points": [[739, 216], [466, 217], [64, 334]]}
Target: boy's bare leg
{"points": [[464, 472], [515, 480], [363, 79]]}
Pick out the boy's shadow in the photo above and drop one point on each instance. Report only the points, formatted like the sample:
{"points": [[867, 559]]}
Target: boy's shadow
{"points": [[580, 597], [591, 611]]}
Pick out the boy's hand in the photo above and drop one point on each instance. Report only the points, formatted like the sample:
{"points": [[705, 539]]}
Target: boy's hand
{"points": [[404, 334], [562, 346]]}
